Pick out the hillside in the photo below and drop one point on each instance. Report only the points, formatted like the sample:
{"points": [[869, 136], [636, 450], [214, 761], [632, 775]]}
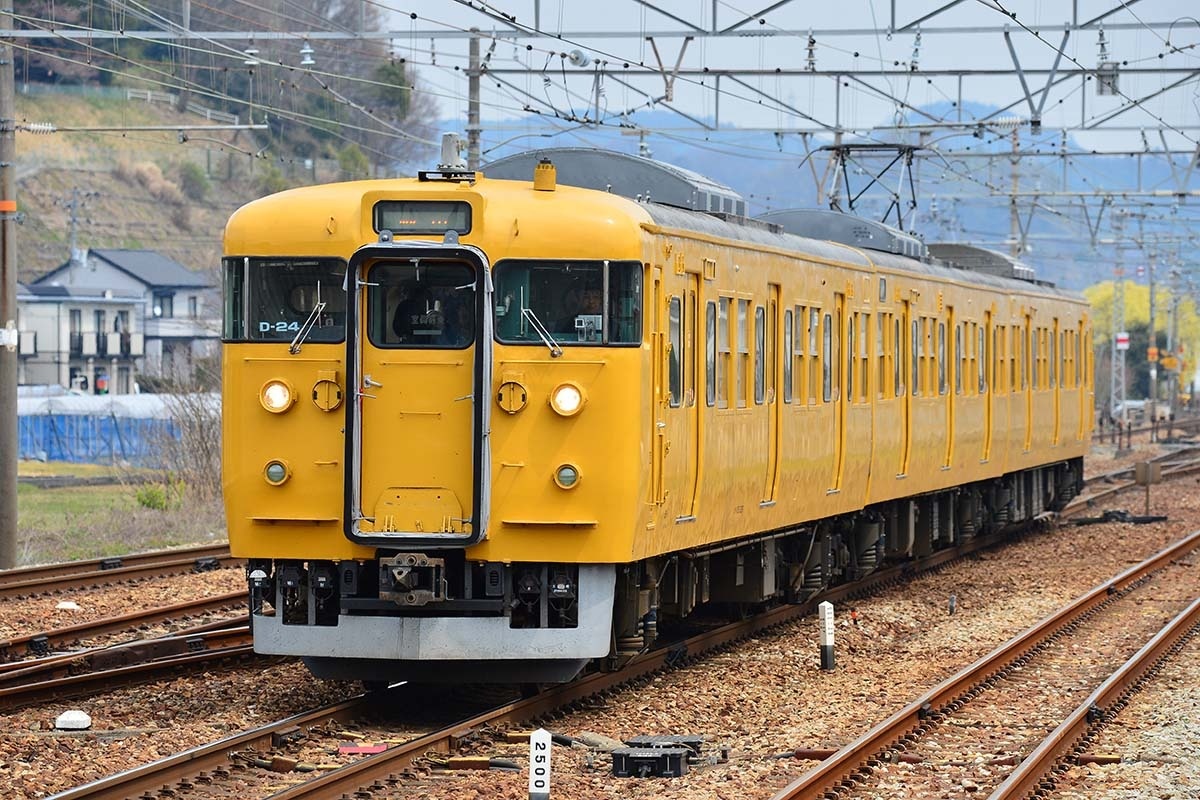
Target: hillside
{"points": [[131, 188]]}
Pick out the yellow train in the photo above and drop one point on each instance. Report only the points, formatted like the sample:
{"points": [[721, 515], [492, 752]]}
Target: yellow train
{"points": [[493, 429]]}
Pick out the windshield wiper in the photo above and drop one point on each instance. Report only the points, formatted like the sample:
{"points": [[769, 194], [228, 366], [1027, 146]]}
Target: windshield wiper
{"points": [[543, 334], [306, 328]]}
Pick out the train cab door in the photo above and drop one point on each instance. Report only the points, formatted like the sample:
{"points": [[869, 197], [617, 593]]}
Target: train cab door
{"points": [[417, 458]]}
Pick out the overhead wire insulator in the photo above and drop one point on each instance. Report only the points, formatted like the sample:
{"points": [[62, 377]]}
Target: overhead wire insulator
{"points": [[38, 127]]}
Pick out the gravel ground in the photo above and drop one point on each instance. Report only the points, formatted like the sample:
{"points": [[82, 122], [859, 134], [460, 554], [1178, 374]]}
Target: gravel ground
{"points": [[762, 700]]}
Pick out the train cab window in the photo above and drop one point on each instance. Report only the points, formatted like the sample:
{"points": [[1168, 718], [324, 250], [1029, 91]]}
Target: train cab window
{"points": [[577, 303], [418, 304], [710, 353], [274, 299], [675, 342], [787, 356]]}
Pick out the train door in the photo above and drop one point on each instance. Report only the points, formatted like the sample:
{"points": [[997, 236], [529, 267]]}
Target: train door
{"points": [[769, 337], [987, 371], [1029, 378], [660, 393], [1081, 382], [416, 444], [682, 418], [904, 356], [950, 363], [1056, 378], [835, 341]]}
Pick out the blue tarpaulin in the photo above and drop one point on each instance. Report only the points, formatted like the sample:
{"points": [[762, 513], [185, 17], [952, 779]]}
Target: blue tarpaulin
{"points": [[101, 429]]}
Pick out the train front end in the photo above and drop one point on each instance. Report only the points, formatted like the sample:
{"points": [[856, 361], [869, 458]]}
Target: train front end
{"points": [[432, 460]]}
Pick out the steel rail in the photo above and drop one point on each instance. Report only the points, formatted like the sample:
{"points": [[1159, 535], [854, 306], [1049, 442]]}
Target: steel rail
{"points": [[149, 778], [61, 665], [153, 776], [849, 762], [1097, 710], [46, 640], [218, 646], [98, 572]]}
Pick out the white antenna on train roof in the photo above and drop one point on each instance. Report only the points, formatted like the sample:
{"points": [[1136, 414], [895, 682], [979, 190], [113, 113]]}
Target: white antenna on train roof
{"points": [[452, 152]]}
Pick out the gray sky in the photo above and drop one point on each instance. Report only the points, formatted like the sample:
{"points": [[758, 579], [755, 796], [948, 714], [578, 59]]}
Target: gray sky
{"points": [[947, 41]]}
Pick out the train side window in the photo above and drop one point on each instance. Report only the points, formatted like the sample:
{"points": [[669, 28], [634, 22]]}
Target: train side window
{"points": [[983, 360], [691, 341], [742, 383], [1053, 359], [723, 354], [962, 358], [998, 382], [788, 359], [882, 354], [710, 353], [898, 359], [827, 359], [850, 358], [1034, 355], [915, 358], [675, 343], [760, 354], [864, 356], [814, 324], [941, 357]]}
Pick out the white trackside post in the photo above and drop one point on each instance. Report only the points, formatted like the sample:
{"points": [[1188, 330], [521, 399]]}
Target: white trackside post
{"points": [[539, 765], [825, 615]]}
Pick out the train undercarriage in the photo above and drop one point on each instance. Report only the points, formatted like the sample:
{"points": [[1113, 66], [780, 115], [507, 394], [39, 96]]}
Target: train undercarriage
{"points": [[435, 616]]}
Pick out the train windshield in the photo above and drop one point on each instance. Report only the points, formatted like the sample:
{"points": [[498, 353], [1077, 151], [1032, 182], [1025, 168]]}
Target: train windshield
{"points": [[421, 303], [576, 302], [272, 299]]}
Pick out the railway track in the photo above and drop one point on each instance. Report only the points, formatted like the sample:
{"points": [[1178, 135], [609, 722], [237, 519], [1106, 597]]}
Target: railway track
{"points": [[854, 768], [214, 759], [51, 578], [59, 677], [43, 643]]}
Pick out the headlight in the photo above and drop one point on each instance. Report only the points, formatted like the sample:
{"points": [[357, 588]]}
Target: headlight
{"points": [[276, 472], [566, 476], [567, 399], [276, 396]]}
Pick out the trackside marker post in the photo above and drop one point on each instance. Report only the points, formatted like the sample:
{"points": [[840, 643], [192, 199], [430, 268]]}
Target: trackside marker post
{"points": [[825, 616], [539, 765]]}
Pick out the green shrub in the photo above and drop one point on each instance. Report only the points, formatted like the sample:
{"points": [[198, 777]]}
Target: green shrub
{"points": [[193, 181], [152, 495]]}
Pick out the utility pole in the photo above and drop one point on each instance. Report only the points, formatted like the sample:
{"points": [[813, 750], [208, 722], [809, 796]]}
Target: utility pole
{"points": [[1014, 214], [473, 69], [8, 296], [1153, 354], [1116, 394]]}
